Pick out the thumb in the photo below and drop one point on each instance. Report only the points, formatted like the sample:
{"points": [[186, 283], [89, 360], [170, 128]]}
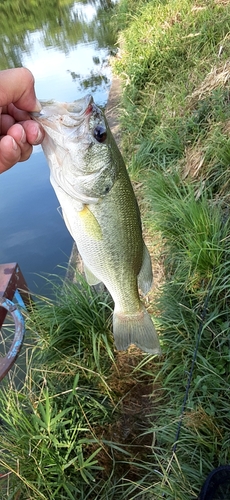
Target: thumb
{"points": [[17, 87]]}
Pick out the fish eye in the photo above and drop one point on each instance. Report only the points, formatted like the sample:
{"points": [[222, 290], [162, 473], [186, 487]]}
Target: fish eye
{"points": [[100, 133]]}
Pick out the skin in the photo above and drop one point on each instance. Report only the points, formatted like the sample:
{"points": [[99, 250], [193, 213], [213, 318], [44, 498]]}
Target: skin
{"points": [[18, 133]]}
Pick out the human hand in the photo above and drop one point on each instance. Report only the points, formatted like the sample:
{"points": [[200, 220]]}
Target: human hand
{"points": [[18, 132]]}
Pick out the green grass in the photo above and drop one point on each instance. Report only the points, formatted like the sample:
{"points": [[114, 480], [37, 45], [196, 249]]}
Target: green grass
{"points": [[48, 442], [176, 143], [64, 430]]}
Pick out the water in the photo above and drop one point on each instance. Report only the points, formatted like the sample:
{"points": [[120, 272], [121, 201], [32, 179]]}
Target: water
{"points": [[66, 45]]}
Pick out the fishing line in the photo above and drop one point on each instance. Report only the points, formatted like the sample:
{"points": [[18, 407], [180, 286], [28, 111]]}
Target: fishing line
{"points": [[200, 329], [199, 333]]}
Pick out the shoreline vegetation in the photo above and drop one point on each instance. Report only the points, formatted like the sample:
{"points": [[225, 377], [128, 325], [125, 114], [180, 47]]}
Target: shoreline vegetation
{"points": [[89, 423]]}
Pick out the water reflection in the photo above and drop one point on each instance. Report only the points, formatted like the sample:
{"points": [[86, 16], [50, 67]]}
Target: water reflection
{"points": [[66, 45], [61, 24]]}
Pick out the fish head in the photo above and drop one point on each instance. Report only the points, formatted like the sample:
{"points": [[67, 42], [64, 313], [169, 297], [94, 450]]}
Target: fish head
{"points": [[79, 148]]}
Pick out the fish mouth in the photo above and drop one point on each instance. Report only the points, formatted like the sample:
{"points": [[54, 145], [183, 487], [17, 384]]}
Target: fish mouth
{"points": [[75, 120], [81, 107], [88, 111], [77, 110]]}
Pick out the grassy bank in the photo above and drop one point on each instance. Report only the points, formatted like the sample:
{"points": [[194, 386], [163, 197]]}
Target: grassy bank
{"points": [[174, 63], [75, 428], [90, 423]]}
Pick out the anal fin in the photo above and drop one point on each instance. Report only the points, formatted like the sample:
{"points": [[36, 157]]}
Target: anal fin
{"points": [[90, 277], [145, 276]]}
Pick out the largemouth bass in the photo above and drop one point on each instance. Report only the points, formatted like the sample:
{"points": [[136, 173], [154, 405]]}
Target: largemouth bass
{"points": [[100, 210]]}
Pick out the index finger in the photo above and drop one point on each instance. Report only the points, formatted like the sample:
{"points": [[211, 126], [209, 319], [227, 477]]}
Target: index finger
{"points": [[17, 87]]}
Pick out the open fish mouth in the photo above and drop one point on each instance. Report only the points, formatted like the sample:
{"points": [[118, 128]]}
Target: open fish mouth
{"points": [[75, 111], [72, 129], [76, 119]]}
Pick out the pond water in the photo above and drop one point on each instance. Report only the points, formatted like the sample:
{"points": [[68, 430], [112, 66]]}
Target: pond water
{"points": [[67, 46]]}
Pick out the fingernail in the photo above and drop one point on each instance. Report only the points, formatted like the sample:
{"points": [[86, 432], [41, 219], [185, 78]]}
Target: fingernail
{"points": [[23, 137], [40, 137], [37, 107], [14, 144]]}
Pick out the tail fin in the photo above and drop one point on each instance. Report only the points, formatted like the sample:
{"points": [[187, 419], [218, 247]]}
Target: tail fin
{"points": [[135, 329]]}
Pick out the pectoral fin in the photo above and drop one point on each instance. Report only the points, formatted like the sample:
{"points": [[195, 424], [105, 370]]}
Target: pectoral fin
{"points": [[91, 225]]}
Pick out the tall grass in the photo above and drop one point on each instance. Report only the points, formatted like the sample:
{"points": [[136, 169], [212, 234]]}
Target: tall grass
{"points": [[174, 64], [64, 430], [48, 426]]}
